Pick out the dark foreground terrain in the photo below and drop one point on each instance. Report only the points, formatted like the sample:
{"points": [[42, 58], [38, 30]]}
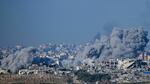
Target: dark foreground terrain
{"points": [[32, 79]]}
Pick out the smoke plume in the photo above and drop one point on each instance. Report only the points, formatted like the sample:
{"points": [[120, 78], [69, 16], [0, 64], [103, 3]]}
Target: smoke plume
{"points": [[20, 59], [121, 43], [128, 42]]}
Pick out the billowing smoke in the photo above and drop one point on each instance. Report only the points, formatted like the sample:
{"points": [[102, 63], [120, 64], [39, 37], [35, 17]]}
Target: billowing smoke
{"points": [[20, 59], [121, 43], [128, 42]]}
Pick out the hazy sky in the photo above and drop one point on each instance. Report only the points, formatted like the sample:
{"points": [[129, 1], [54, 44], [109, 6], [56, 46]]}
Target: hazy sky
{"points": [[32, 22]]}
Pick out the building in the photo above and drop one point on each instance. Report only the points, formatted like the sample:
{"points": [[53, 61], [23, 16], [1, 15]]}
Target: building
{"points": [[125, 63], [3, 71], [63, 71], [145, 56], [27, 72]]}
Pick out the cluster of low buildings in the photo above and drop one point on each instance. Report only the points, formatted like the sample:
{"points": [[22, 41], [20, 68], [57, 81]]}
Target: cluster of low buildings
{"points": [[121, 70], [47, 59]]}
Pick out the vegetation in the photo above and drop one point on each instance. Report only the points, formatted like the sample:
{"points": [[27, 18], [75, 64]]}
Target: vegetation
{"points": [[87, 77]]}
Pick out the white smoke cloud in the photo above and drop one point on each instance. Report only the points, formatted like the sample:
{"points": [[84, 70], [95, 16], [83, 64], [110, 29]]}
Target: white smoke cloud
{"points": [[121, 43], [128, 42], [18, 60]]}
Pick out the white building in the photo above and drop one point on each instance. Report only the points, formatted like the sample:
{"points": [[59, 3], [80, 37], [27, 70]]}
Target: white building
{"points": [[27, 72], [3, 71], [124, 64]]}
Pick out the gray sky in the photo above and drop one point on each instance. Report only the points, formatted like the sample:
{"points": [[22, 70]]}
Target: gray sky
{"points": [[32, 22]]}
